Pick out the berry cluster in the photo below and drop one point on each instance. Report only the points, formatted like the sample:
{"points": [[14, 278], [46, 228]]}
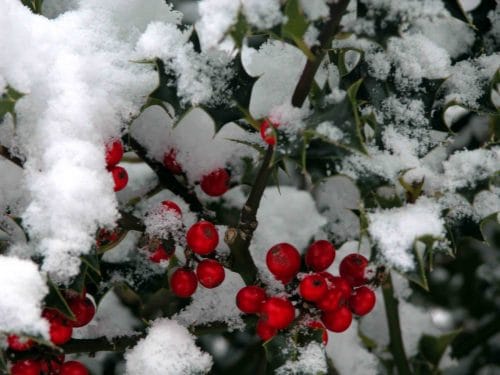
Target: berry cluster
{"points": [[202, 239], [114, 153], [60, 331], [214, 184], [322, 299]]}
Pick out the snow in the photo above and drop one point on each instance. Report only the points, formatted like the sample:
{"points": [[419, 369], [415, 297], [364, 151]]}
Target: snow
{"points": [[168, 349], [112, 319], [215, 305], [315, 9], [395, 230], [216, 17], [330, 131], [21, 295], [311, 360], [486, 203], [263, 14]]}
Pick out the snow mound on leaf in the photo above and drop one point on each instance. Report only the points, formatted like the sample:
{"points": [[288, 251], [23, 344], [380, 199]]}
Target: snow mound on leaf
{"points": [[23, 289], [311, 360], [395, 230], [168, 349]]}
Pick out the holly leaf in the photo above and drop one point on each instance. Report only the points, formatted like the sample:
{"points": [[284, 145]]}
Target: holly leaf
{"points": [[296, 24], [55, 300], [8, 101], [34, 5], [239, 30], [490, 229], [433, 347], [278, 351]]}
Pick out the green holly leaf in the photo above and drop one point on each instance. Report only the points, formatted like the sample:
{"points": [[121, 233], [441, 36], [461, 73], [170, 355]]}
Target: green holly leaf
{"points": [[34, 5], [239, 30], [433, 347], [55, 300], [490, 229], [8, 101], [296, 24], [279, 350]]}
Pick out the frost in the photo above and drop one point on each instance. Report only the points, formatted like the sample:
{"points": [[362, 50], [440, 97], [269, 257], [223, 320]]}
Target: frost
{"points": [[264, 14], [486, 203], [168, 349], [112, 319], [311, 360], [21, 295], [216, 17], [215, 305], [330, 131], [395, 230]]}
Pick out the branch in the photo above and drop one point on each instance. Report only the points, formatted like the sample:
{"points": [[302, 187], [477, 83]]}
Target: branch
{"points": [[4, 151], [396, 341], [337, 9], [239, 238], [101, 344], [167, 179]]}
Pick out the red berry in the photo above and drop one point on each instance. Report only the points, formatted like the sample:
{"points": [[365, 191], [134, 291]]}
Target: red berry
{"points": [[362, 301], [183, 282], [160, 254], [114, 152], [320, 255], [202, 237], [52, 366], [120, 177], [250, 298], [83, 309], [352, 268], [215, 183], [73, 368], [170, 162], [338, 320], [19, 344], [210, 273], [318, 325], [26, 367], [337, 282], [277, 312], [268, 132], [283, 260], [172, 207], [60, 329], [313, 287], [331, 301], [265, 331]]}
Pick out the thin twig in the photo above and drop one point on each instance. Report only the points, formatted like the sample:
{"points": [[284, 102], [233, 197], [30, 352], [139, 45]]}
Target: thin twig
{"points": [[4, 151]]}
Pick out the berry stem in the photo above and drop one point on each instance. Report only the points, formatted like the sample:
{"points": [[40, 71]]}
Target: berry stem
{"points": [[396, 341], [239, 238], [337, 9], [167, 179]]}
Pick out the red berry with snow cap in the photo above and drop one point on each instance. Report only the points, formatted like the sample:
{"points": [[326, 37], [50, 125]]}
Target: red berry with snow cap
{"points": [[362, 301], [352, 268], [277, 312], [268, 132], [120, 177], [202, 237], [114, 152], [210, 273], [172, 207], [283, 260], [160, 254], [170, 161], [215, 183], [183, 282], [250, 298], [19, 344], [320, 255], [313, 287]]}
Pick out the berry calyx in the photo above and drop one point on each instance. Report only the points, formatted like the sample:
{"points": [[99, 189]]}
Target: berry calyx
{"points": [[120, 177], [362, 301], [114, 152], [202, 237], [160, 254], [60, 330], [26, 367], [313, 288], [265, 331], [83, 309], [283, 260], [318, 325], [19, 344], [170, 161], [320, 255], [183, 282], [268, 132], [277, 312], [215, 183], [331, 301], [73, 368], [338, 320], [210, 273], [352, 268], [172, 207], [250, 298]]}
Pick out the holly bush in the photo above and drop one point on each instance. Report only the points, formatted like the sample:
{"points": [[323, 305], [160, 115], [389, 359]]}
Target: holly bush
{"points": [[252, 187]]}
